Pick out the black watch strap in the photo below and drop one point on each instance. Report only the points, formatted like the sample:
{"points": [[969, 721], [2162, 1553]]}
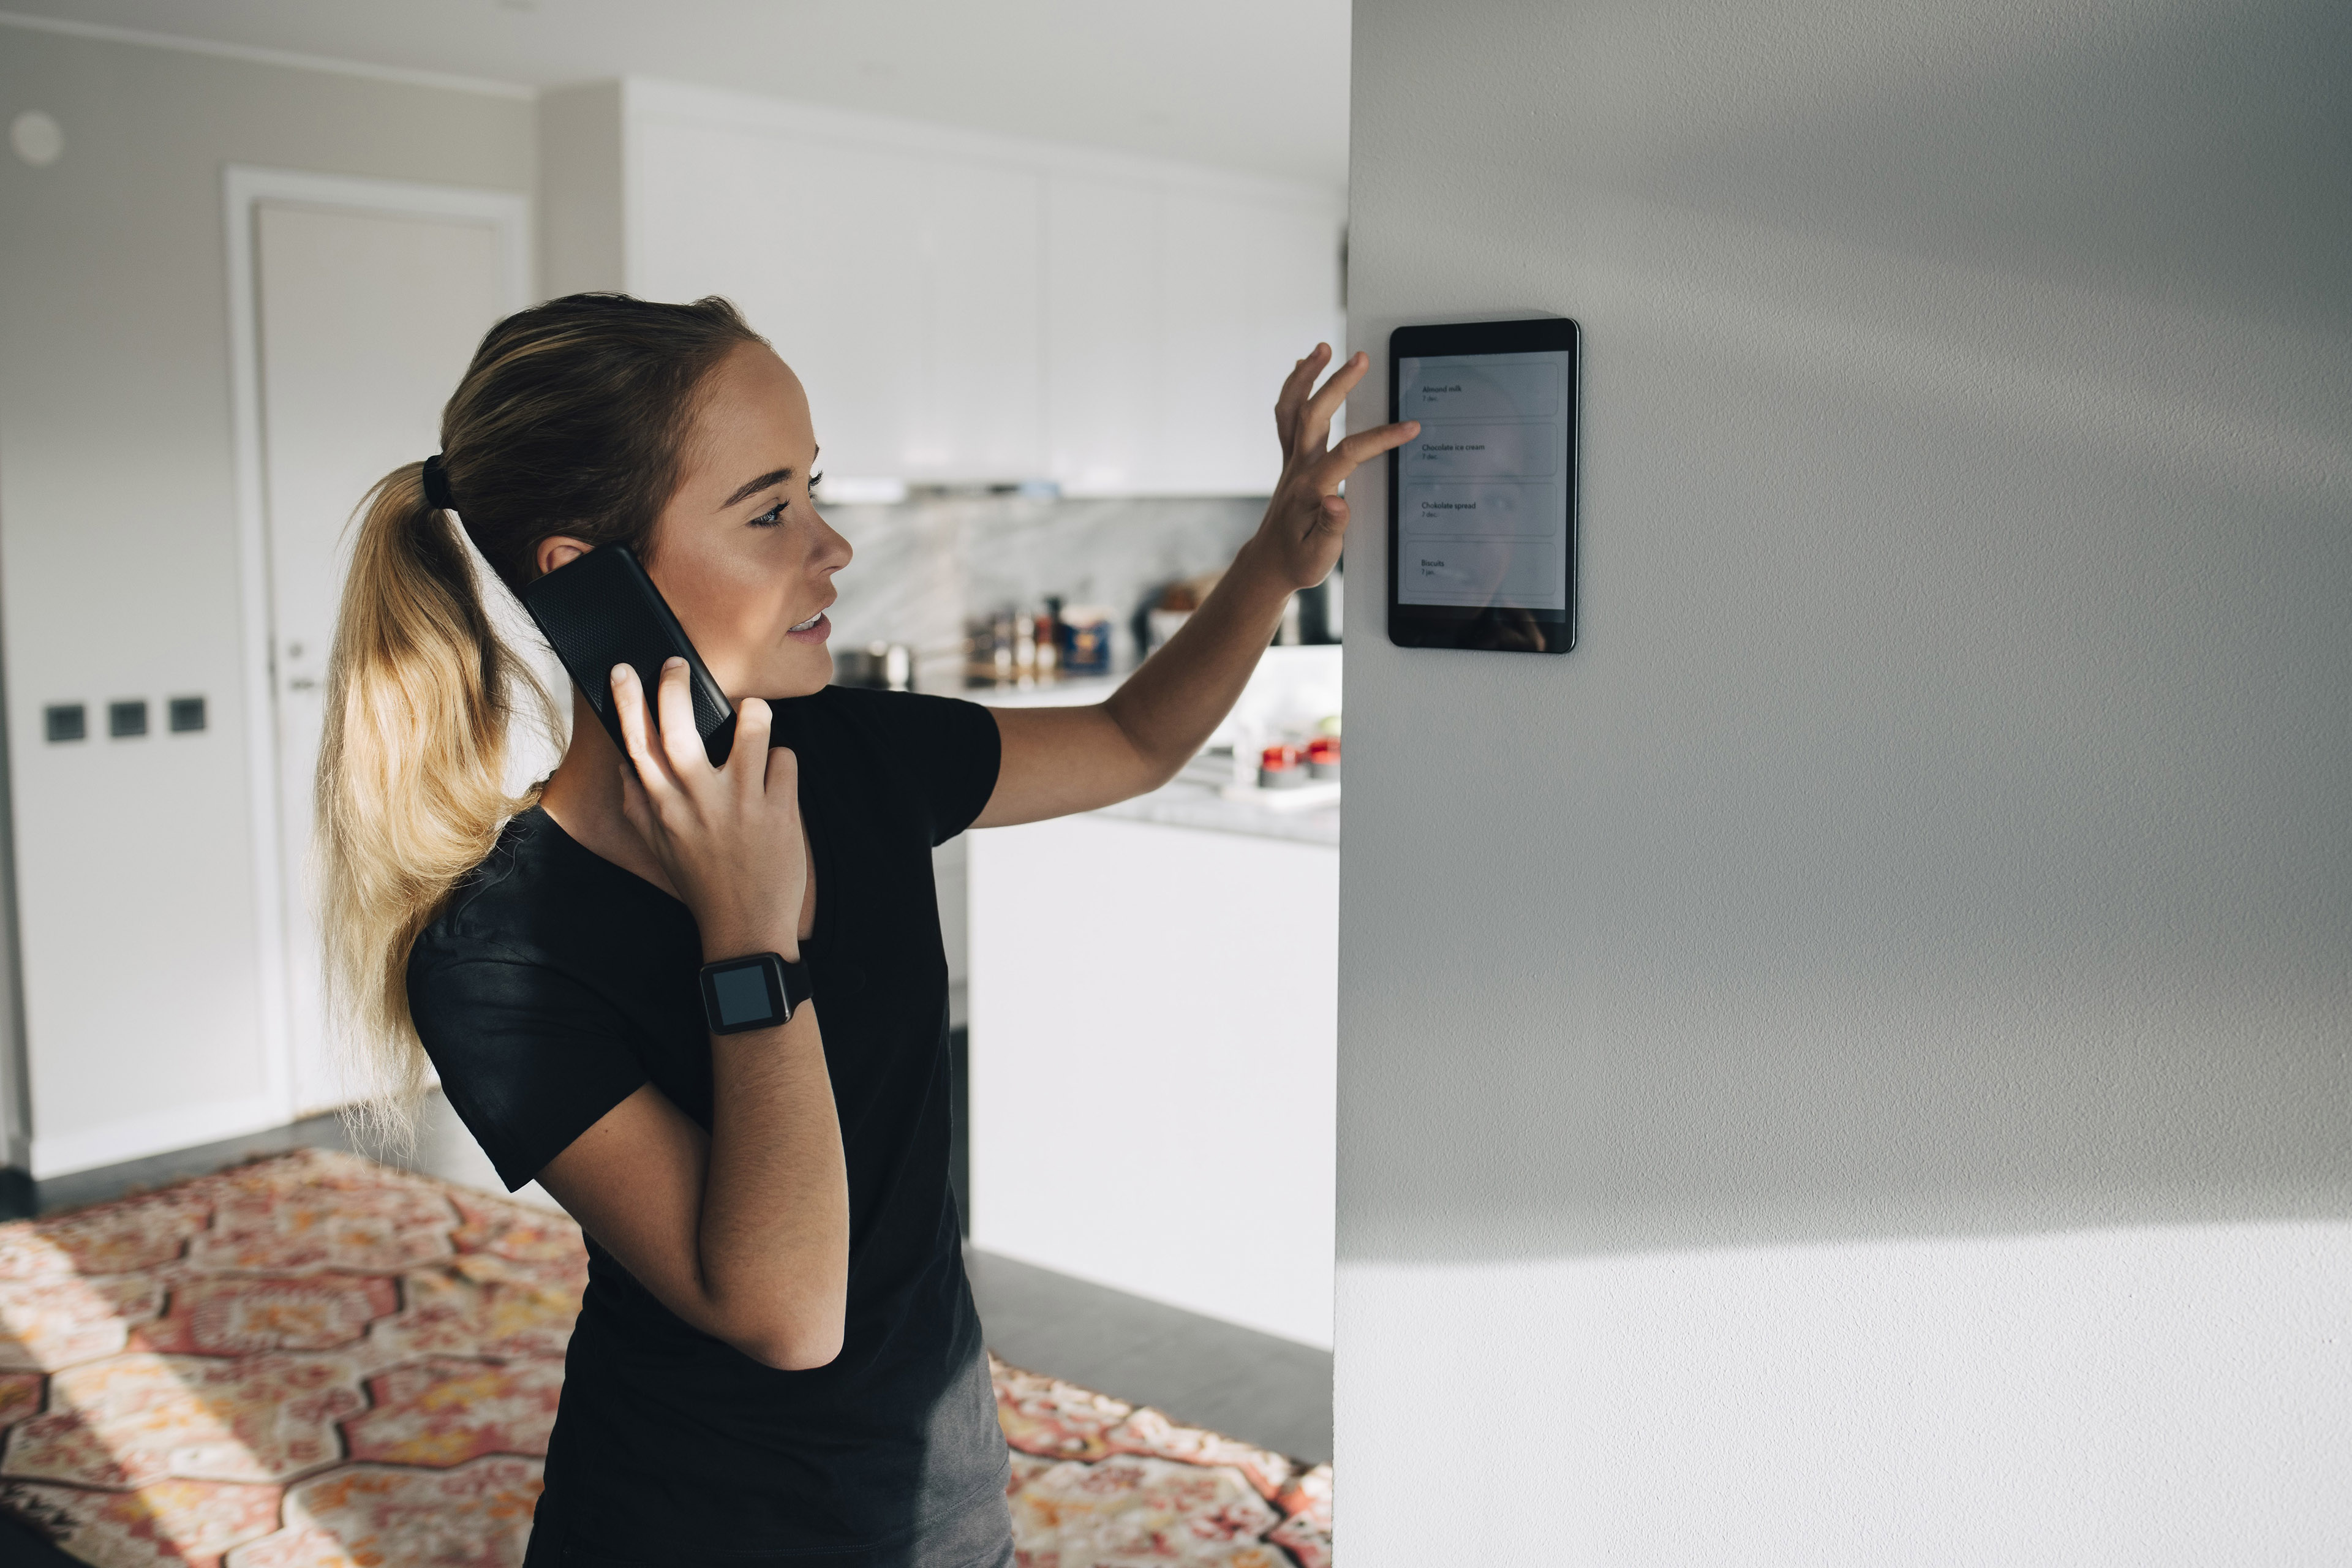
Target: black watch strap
{"points": [[757, 991]]}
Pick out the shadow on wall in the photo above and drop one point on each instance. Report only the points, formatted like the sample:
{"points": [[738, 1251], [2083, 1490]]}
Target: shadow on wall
{"points": [[1940, 828]]}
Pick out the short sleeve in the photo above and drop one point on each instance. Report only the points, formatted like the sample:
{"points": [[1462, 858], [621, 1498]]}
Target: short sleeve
{"points": [[530, 1058], [948, 748]]}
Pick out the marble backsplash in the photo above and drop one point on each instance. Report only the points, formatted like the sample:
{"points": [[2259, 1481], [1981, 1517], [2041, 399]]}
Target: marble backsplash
{"points": [[923, 566]]}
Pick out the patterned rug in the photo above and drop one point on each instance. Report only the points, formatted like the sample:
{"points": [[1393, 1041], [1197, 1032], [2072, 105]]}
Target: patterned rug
{"points": [[318, 1362]]}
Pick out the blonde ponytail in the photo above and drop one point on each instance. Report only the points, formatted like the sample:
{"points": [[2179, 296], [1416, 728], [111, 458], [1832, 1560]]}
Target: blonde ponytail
{"points": [[421, 699], [568, 421]]}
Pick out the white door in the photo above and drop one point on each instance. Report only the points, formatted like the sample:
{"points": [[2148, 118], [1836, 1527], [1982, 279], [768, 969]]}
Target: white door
{"points": [[366, 320]]}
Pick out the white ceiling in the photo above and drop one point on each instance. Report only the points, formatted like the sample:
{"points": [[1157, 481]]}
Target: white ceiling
{"points": [[1259, 85]]}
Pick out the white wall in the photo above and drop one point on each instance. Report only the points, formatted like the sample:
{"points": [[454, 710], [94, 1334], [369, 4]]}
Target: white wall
{"points": [[1854, 1064], [118, 539]]}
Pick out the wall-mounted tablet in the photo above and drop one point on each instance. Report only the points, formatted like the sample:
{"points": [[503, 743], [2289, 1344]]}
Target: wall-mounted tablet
{"points": [[1482, 503]]}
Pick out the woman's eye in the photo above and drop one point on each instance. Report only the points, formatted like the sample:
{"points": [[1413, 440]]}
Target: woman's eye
{"points": [[770, 517], [815, 479]]}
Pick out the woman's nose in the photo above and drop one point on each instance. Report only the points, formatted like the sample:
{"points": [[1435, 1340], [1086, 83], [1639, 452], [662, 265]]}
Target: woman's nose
{"points": [[834, 550]]}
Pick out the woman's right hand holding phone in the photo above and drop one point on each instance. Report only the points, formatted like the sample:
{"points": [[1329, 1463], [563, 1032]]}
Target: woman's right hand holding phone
{"points": [[740, 1225], [729, 837]]}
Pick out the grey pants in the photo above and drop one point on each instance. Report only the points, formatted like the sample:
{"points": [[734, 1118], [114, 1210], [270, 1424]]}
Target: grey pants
{"points": [[979, 1537]]}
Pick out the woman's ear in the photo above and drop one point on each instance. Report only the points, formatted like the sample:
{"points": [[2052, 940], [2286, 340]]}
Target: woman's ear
{"points": [[557, 550]]}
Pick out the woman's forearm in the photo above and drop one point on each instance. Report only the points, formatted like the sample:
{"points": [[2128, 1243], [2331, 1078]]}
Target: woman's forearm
{"points": [[1054, 761], [1168, 705], [772, 1235]]}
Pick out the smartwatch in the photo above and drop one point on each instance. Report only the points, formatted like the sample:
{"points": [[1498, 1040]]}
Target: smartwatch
{"points": [[758, 991]]}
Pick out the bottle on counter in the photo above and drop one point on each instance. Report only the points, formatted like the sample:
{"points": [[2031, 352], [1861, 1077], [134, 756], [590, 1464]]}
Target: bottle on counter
{"points": [[1046, 633], [1024, 649], [1086, 640]]}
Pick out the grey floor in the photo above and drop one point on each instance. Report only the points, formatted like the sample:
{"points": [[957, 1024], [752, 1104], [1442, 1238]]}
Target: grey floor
{"points": [[1253, 1386], [1272, 1392]]}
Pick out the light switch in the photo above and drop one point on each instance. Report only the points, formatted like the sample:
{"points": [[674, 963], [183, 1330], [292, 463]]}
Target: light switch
{"points": [[187, 714], [65, 721], [126, 719]]}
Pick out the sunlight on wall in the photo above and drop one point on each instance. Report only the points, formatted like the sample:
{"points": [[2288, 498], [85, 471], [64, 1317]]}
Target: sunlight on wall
{"points": [[1979, 1400]]}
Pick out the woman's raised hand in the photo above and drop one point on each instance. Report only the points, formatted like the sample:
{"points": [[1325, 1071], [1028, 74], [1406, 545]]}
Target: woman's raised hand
{"points": [[728, 836], [1307, 521]]}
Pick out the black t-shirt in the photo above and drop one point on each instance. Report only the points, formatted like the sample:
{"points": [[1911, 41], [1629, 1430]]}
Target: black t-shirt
{"points": [[555, 983]]}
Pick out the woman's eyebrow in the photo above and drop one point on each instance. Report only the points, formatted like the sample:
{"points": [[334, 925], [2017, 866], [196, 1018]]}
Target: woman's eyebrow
{"points": [[774, 477]]}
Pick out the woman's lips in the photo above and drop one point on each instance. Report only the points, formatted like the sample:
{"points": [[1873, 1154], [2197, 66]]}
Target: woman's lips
{"points": [[816, 628]]}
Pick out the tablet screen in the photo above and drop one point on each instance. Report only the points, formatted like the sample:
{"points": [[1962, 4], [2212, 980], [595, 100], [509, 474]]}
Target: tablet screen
{"points": [[1483, 499]]}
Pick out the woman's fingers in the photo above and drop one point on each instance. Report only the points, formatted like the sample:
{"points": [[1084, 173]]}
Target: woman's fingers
{"points": [[1293, 396], [1314, 417], [1333, 516], [783, 777], [629, 704], [1351, 454], [747, 764], [635, 805], [681, 743]]}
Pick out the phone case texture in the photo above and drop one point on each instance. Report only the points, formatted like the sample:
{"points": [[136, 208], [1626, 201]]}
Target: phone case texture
{"points": [[601, 610]]}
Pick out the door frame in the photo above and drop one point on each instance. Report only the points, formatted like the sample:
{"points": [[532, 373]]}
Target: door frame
{"points": [[244, 187]]}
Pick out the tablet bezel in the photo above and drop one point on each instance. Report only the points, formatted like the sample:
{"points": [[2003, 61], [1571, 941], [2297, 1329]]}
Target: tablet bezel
{"points": [[1483, 628]]}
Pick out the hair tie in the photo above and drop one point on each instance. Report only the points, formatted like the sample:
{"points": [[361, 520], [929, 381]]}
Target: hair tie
{"points": [[436, 484]]}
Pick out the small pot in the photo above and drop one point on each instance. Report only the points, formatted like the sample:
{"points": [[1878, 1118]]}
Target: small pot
{"points": [[882, 666], [1280, 767]]}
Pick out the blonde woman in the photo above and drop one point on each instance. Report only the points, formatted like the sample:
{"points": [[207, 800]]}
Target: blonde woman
{"points": [[777, 1359]]}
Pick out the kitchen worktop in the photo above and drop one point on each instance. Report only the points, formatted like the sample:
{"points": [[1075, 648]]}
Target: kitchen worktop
{"points": [[1190, 801], [1185, 803]]}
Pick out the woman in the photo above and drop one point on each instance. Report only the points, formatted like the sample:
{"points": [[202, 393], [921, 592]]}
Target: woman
{"points": [[777, 1358]]}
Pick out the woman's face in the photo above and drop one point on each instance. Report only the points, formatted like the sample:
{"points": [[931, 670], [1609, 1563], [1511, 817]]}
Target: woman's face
{"points": [[739, 551]]}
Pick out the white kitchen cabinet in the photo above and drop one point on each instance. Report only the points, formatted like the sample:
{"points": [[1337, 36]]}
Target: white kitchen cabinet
{"points": [[1105, 396], [962, 306], [1251, 285], [1155, 1063], [1173, 312], [759, 218], [983, 396]]}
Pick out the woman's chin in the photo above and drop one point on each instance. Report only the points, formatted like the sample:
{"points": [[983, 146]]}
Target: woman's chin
{"points": [[802, 666]]}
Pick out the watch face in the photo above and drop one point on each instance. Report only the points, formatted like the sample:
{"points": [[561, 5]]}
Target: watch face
{"points": [[745, 993], [742, 994]]}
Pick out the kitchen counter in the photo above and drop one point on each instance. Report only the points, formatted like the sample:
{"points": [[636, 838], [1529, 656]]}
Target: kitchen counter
{"points": [[1292, 682], [1185, 803]]}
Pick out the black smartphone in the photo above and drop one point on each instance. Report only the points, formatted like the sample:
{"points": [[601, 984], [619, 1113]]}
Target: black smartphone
{"points": [[601, 610], [1482, 503]]}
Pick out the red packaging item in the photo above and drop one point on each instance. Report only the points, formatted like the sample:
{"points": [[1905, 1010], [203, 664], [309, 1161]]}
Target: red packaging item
{"points": [[1278, 767]]}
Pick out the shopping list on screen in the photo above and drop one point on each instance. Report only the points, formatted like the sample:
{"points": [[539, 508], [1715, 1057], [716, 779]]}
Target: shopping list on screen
{"points": [[1482, 498]]}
